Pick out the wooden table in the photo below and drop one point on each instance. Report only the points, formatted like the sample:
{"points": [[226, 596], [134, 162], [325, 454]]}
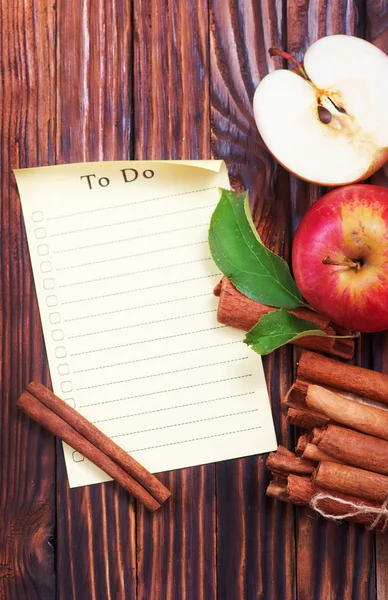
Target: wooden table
{"points": [[119, 79]]}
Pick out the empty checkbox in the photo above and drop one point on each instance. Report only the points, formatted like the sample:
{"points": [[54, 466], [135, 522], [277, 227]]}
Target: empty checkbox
{"points": [[63, 369], [37, 216], [52, 301], [49, 284], [77, 457], [43, 249], [70, 402], [46, 266], [40, 233], [60, 352], [57, 335], [54, 318], [66, 386]]}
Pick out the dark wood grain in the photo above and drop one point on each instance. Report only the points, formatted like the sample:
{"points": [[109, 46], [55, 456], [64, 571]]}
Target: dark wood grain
{"points": [[176, 546], [27, 454], [332, 561], [255, 544], [377, 33], [96, 546], [118, 79]]}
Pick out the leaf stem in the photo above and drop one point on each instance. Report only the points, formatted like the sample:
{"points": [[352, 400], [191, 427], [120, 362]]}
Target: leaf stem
{"points": [[290, 58]]}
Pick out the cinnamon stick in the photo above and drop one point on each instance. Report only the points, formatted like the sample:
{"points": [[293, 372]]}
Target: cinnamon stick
{"points": [[302, 492], [306, 419], [100, 440], [284, 461], [37, 410], [351, 480], [312, 452], [316, 368], [236, 310], [362, 417], [302, 443], [352, 447]]}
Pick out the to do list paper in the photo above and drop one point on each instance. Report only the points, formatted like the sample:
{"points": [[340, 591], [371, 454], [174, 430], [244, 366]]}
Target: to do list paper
{"points": [[124, 280]]}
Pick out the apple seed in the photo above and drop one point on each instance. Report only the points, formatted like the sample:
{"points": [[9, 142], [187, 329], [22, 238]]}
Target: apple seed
{"points": [[324, 115]]}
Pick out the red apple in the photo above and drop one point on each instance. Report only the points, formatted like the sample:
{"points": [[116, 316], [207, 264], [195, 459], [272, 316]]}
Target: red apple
{"points": [[340, 257]]}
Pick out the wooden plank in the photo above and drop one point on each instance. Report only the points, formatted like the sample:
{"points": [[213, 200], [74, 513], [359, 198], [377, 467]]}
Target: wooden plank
{"points": [[176, 546], [255, 546], [332, 561], [96, 551], [27, 454], [377, 33]]}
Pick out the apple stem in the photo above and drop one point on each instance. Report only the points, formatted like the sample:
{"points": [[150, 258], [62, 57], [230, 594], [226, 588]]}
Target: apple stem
{"points": [[289, 57], [342, 263]]}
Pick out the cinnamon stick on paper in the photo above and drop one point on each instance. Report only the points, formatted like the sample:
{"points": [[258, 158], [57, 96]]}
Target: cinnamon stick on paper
{"points": [[316, 368], [351, 480], [362, 417], [236, 310], [41, 405], [352, 447]]}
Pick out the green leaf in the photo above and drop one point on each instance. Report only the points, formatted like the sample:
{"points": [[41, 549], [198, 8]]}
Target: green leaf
{"points": [[277, 328], [240, 254]]}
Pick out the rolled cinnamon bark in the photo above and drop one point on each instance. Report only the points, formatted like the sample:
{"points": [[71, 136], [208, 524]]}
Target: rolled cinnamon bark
{"points": [[296, 395], [362, 417], [352, 447], [306, 419], [351, 480], [284, 461], [236, 310], [302, 443], [312, 452], [316, 368], [302, 492], [278, 490]]}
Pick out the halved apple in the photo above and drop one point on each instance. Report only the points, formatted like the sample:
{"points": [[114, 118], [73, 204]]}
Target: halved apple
{"points": [[327, 122]]}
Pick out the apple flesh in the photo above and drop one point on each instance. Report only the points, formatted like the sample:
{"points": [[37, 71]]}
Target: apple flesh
{"points": [[340, 257], [327, 122]]}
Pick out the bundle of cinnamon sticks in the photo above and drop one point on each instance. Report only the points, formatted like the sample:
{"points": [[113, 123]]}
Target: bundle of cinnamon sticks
{"points": [[340, 465]]}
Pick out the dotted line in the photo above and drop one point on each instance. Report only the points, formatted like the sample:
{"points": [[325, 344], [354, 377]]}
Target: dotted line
{"points": [[149, 412], [72, 337], [146, 341], [128, 204], [188, 262], [113, 312], [137, 237], [99, 385], [206, 437], [186, 387], [152, 287], [129, 362], [98, 262], [175, 212], [243, 412]]}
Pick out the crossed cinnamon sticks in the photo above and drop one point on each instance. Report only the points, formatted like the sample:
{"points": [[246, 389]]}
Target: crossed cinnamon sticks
{"points": [[340, 467], [41, 405]]}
